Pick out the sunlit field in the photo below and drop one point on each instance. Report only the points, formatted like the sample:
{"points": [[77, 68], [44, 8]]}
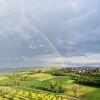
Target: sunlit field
{"points": [[24, 95]]}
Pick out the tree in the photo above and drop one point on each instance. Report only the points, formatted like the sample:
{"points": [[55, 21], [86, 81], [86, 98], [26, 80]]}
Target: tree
{"points": [[55, 87], [17, 82], [76, 90]]}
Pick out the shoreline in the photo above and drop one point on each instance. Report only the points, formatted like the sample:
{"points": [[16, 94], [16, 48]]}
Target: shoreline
{"points": [[7, 70]]}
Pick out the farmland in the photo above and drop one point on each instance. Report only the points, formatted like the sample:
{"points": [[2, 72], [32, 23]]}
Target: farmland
{"points": [[44, 84]]}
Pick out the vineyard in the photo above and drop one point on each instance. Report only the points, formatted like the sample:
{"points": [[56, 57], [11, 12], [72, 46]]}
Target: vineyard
{"points": [[6, 94]]}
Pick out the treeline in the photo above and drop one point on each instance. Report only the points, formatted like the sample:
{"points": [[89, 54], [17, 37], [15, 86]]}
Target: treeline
{"points": [[88, 79], [56, 72]]}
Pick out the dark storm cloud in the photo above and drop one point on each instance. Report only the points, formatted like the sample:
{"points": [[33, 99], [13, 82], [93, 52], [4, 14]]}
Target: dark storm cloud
{"points": [[30, 29]]}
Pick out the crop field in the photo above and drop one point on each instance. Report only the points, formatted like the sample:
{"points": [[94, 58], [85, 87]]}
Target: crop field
{"points": [[24, 95]]}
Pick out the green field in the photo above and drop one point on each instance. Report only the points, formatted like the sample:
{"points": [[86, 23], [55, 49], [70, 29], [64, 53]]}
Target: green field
{"points": [[91, 94], [38, 83]]}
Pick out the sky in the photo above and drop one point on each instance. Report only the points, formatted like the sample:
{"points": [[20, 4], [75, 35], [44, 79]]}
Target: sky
{"points": [[49, 33]]}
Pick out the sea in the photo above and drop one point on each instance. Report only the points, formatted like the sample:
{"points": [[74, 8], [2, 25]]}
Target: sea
{"points": [[14, 69]]}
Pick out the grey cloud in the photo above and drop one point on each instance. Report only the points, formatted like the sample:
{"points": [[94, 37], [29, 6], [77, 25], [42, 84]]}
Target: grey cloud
{"points": [[30, 28]]}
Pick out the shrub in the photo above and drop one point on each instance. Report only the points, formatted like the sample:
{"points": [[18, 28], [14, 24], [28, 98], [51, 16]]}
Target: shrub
{"points": [[52, 86]]}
